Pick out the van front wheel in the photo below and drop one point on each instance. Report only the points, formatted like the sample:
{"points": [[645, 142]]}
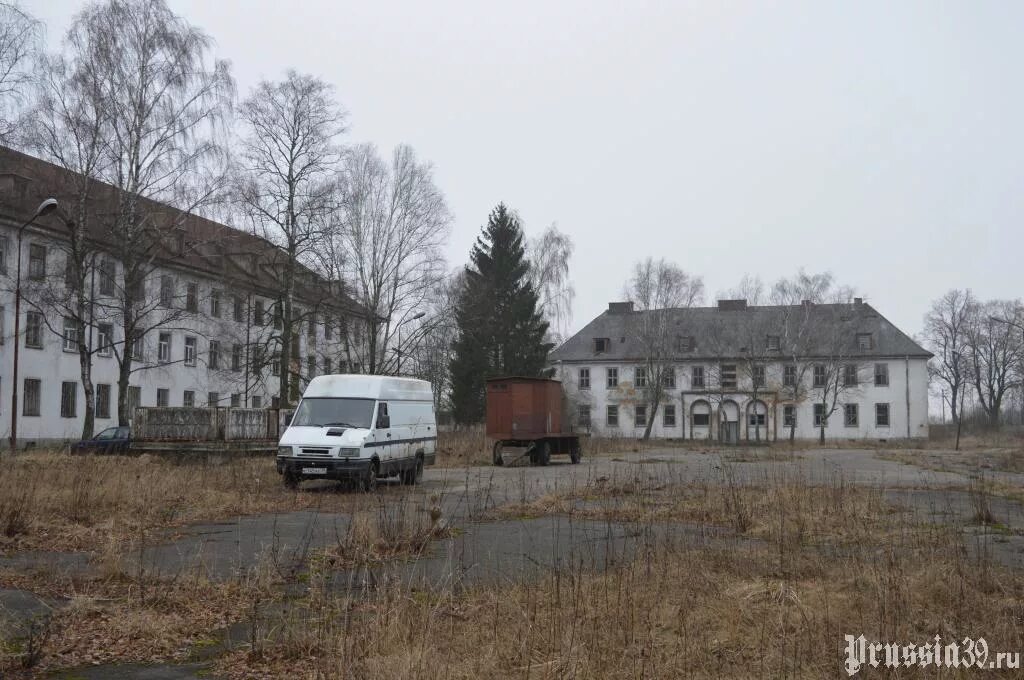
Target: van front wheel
{"points": [[369, 481]]}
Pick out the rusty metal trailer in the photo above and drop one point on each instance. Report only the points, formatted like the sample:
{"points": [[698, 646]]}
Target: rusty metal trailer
{"points": [[530, 413]]}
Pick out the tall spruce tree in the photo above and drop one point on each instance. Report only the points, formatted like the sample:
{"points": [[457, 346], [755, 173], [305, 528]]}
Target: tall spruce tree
{"points": [[500, 329]]}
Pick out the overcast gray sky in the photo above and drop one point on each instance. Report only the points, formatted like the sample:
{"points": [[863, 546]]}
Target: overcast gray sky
{"points": [[879, 140]]}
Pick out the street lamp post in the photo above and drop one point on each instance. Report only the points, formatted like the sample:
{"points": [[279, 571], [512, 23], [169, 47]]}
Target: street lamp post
{"points": [[45, 208], [398, 350]]}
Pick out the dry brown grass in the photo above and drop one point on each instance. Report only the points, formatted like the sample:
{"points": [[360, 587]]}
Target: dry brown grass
{"points": [[52, 501], [831, 560]]}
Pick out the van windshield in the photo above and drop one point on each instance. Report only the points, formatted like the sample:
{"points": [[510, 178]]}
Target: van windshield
{"points": [[334, 412]]}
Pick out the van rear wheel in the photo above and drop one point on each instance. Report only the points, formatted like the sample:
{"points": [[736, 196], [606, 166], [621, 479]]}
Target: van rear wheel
{"points": [[414, 475]]}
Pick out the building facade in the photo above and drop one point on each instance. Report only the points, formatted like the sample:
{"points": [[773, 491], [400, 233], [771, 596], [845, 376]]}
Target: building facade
{"points": [[737, 373], [213, 318]]}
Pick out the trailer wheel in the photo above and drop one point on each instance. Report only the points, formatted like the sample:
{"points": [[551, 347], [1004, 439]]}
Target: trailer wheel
{"points": [[574, 452], [543, 456], [496, 455]]}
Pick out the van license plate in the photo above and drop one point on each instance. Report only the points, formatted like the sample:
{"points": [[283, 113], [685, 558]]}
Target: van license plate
{"points": [[314, 471]]}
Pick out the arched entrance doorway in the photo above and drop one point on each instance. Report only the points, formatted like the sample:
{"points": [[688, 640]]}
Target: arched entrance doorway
{"points": [[729, 422]]}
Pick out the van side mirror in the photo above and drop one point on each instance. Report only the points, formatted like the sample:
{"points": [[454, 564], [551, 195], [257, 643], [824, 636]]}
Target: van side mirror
{"points": [[383, 421]]}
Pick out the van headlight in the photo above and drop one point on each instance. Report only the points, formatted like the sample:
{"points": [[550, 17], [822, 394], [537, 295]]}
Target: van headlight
{"points": [[284, 450], [348, 453]]}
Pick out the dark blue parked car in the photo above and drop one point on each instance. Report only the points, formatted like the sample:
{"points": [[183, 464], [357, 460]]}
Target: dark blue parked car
{"points": [[110, 440]]}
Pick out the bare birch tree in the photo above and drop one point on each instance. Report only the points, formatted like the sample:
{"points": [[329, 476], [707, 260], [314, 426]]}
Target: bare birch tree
{"points": [[549, 256], [947, 328], [287, 191], [392, 223], [144, 90], [656, 289], [20, 41]]}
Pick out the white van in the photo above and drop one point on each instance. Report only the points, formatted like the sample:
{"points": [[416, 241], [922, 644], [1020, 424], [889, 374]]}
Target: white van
{"points": [[362, 427]]}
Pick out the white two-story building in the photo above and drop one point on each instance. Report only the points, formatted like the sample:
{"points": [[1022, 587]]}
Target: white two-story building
{"points": [[735, 372], [213, 296]]}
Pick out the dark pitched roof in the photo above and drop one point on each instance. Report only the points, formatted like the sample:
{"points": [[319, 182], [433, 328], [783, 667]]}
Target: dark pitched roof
{"points": [[216, 250], [724, 333]]}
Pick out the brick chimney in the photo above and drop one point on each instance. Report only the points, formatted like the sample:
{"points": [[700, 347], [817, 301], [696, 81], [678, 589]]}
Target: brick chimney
{"points": [[620, 307]]}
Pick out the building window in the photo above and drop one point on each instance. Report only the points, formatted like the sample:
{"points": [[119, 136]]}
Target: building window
{"points": [[851, 416], [328, 325], [789, 375], [257, 313], [612, 375], [789, 415], [239, 308], [640, 415], [139, 348], [850, 378], [71, 281], [278, 320], [163, 396], [727, 376], [881, 375], [275, 402], [311, 366], [881, 415], [70, 335], [701, 419], [772, 342], [819, 415], [668, 415], [212, 398], [612, 415], [213, 358], [190, 350], [4, 247], [105, 339], [865, 341], [756, 419], [102, 401], [134, 398], [34, 330], [163, 348], [684, 343], [275, 364], [257, 401], [601, 345], [3, 319], [584, 378], [188, 398], [236, 357], [68, 399], [36, 262], [107, 274], [697, 377], [215, 304], [668, 379], [757, 376], [192, 297], [312, 325], [33, 388], [327, 365], [166, 291], [640, 376], [236, 400], [819, 375], [583, 415]]}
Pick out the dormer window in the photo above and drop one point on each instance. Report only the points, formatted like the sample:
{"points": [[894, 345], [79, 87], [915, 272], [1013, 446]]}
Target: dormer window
{"points": [[772, 343], [684, 343], [865, 341], [601, 345]]}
